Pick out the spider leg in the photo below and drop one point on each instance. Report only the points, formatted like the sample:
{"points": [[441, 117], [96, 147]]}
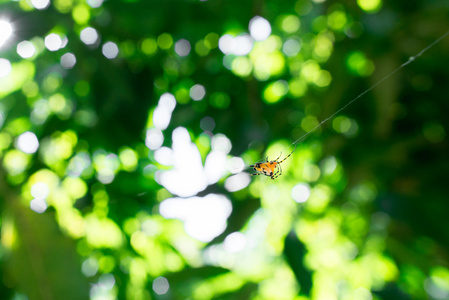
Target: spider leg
{"points": [[279, 156], [288, 155], [278, 172], [255, 174]]}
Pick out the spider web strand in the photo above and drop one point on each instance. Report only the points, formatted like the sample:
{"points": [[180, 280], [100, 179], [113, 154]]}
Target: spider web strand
{"points": [[410, 60]]}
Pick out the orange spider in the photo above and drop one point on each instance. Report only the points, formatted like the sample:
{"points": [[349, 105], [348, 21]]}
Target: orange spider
{"points": [[270, 168]]}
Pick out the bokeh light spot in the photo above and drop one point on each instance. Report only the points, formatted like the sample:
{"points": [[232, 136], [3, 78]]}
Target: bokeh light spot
{"points": [[165, 41], [358, 64], [211, 40], [15, 162], [291, 47], [301, 192], [5, 31], [40, 112], [241, 66], [187, 177], [370, 6], [40, 190], [90, 267], [364, 192], [40, 4], [221, 143], [323, 78], [161, 285], [197, 92], [236, 165], [163, 111], [235, 242], [259, 28], [81, 14], [128, 158], [207, 123], [149, 46], [311, 172], [68, 60], [275, 91], [266, 58], [310, 70], [89, 36], [290, 24], [38, 205], [167, 101], [164, 156], [183, 47], [27, 142], [26, 49], [75, 187], [154, 138], [345, 125], [240, 45], [110, 50], [53, 42], [337, 20], [5, 67], [297, 87], [225, 44], [215, 166], [237, 182], [201, 49], [95, 3], [220, 100], [204, 217]]}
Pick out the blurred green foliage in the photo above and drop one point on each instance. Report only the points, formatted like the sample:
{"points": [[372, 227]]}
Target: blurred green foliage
{"points": [[89, 209]]}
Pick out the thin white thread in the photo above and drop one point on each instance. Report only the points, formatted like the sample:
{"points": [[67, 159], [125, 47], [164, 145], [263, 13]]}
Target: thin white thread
{"points": [[411, 59]]}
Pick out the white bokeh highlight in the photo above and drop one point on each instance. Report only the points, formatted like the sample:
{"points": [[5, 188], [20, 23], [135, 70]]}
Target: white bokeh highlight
{"points": [[154, 138], [163, 111], [89, 36], [26, 49], [161, 285], [235, 242], [240, 45], [237, 182], [187, 176], [40, 190], [53, 42], [164, 156], [183, 47], [204, 218], [27, 142], [110, 50], [40, 4], [300, 192], [95, 3], [259, 28], [6, 31], [291, 47], [5, 67], [38, 205], [68, 60], [236, 165], [197, 92]]}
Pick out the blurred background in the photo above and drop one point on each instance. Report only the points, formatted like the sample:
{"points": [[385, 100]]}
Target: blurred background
{"points": [[127, 128]]}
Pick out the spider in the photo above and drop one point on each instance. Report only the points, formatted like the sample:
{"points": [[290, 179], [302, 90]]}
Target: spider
{"points": [[270, 168]]}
